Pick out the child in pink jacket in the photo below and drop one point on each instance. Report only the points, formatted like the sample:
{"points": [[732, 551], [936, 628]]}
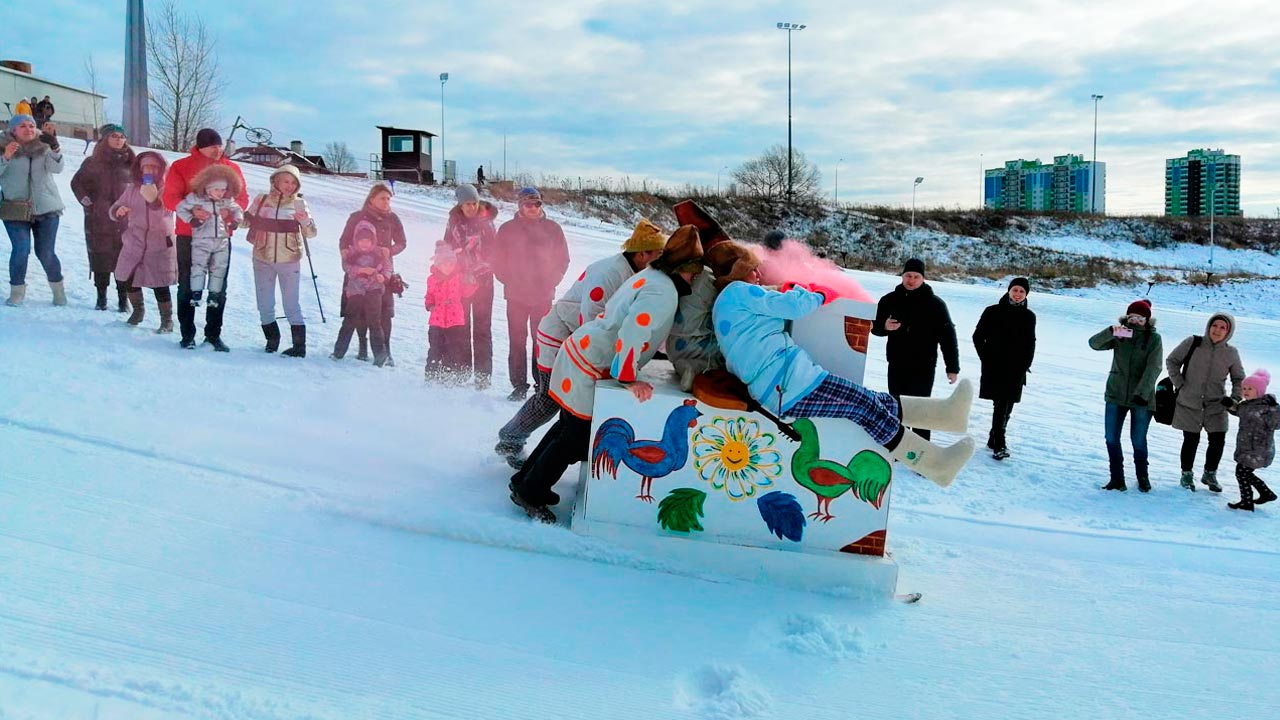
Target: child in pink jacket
{"points": [[449, 350]]}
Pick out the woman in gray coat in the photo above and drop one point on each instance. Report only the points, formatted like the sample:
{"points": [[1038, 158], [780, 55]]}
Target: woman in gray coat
{"points": [[1202, 403], [28, 163]]}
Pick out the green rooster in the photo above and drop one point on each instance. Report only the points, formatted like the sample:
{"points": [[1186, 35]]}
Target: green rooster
{"points": [[867, 474]]}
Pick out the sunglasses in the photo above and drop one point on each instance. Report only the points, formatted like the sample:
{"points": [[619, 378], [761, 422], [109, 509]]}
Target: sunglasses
{"points": [[1137, 320], [531, 203]]}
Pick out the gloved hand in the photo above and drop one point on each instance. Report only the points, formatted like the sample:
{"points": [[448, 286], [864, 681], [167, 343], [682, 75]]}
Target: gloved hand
{"points": [[827, 293], [50, 137], [1138, 400], [1227, 402]]}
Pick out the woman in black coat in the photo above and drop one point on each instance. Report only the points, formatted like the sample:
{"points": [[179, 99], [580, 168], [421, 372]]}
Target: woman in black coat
{"points": [[1006, 343]]}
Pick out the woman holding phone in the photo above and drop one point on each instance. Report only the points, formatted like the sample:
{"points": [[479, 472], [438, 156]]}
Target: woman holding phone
{"points": [[148, 258], [1136, 354]]}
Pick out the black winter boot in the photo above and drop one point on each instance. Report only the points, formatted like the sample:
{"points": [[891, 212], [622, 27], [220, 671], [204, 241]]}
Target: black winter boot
{"points": [[299, 349], [1116, 484], [363, 353], [122, 298], [344, 341], [271, 331], [1265, 494], [217, 344], [1144, 484], [102, 298]]}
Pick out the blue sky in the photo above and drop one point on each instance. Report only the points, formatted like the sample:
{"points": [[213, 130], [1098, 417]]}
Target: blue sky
{"points": [[676, 92]]}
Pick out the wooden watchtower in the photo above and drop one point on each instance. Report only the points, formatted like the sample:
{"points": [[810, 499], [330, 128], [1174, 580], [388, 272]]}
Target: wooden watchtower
{"points": [[406, 155]]}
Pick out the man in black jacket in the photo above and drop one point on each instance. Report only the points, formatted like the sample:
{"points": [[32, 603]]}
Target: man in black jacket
{"points": [[917, 323]]}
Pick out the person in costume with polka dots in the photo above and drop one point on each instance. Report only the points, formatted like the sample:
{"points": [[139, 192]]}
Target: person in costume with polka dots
{"points": [[615, 344], [584, 299], [750, 323]]}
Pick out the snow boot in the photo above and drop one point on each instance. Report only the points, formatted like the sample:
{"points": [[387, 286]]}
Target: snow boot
{"points": [[16, 294], [101, 304], [380, 354], [512, 454], [541, 513], [1188, 480], [939, 465], [59, 293], [122, 300], [195, 297], [271, 331], [1144, 484], [1000, 453], [166, 318], [139, 308], [363, 353], [1210, 480], [1116, 484], [518, 394], [299, 349], [1265, 494], [217, 344], [344, 341], [948, 415], [187, 343]]}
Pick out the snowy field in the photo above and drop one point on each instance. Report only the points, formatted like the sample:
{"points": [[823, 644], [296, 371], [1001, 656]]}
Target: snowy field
{"points": [[199, 535]]}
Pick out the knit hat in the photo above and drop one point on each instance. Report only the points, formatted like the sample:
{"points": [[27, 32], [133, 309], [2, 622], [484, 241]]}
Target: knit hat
{"points": [[528, 194], [215, 185], [1139, 307], [17, 120], [730, 261], [444, 253], [465, 193], [207, 137], [689, 212], [109, 128], [645, 237], [1021, 282], [1258, 381], [364, 229], [915, 265], [682, 253]]}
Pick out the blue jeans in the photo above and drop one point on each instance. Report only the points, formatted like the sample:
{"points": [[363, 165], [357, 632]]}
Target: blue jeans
{"points": [[45, 230], [1114, 418]]}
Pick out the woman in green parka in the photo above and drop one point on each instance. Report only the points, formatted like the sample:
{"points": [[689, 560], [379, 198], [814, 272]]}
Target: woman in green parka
{"points": [[1131, 386]]}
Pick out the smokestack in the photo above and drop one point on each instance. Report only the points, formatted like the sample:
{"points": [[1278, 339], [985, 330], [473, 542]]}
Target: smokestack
{"points": [[296, 146]]}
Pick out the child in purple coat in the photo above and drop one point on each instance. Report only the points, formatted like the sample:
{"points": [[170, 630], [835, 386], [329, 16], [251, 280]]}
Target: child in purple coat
{"points": [[368, 267]]}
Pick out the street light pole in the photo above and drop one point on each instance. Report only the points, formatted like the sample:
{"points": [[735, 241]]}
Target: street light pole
{"points": [[789, 27], [444, 77], [1093, 172], [913, 200], [837, 198]]}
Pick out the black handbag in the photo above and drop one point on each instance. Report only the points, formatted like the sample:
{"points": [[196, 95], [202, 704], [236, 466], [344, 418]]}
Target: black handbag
{"points": [[1166, 395]]}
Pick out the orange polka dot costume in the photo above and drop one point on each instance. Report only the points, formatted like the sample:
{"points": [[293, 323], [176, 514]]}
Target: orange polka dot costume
{"points": [[584, 299]]}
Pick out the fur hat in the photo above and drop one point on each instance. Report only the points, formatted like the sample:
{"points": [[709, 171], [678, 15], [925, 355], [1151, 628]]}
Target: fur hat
{"points": [[915, 265], [730, 261], [710, 233], [1021, 282], [207, 137], [364, 230], [645, 237], [465, 193], [1139, 307], [683, 251], [1258, 381], [217, 173]]}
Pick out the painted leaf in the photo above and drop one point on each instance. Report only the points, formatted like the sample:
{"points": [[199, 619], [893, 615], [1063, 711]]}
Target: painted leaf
{"points": [[680, 510], [782, 515]]}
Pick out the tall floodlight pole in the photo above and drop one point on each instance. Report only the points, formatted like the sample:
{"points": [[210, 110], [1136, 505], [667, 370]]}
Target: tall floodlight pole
{"points": [[789, 27], [913, 200], [444, 77], [1093, 172], [136, 101]]}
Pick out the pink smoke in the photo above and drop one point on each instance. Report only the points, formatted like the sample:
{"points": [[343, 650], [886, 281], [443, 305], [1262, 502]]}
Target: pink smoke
{"points": [[794, 262]]}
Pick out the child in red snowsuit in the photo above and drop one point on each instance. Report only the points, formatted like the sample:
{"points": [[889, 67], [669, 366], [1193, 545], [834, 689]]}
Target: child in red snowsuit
{"points": [[448, 337]]}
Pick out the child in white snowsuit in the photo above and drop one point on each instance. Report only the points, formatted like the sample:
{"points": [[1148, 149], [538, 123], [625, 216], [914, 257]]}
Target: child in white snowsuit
{"points": [[213, 190], [1255, 441]]}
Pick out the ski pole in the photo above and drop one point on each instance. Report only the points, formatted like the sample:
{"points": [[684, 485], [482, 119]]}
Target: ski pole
{"points": [[298, 206]]}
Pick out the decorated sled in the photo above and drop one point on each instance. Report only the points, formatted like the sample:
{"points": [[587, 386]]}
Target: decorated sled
{"points": [[720, 485]]}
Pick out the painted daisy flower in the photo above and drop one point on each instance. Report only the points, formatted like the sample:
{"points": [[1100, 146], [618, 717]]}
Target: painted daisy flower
{"points": [[735, 456]]}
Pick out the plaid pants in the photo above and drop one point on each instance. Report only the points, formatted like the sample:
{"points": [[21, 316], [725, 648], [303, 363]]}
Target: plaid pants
{"points": [[537, 411], [877, 413]]}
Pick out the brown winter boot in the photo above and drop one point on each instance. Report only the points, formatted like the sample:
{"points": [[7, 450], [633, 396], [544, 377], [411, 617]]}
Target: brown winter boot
{"points": [[166, 318], [139, 308]]}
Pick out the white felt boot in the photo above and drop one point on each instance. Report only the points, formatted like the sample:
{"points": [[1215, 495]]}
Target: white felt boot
{"points": [[949, 415], [939, 465]]}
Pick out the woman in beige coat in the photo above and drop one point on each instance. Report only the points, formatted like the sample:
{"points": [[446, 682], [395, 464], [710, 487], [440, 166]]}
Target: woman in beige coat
{"points": [[280, 223], [1199, 368]]}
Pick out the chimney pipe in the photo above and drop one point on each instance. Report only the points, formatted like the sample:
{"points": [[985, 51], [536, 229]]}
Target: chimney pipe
{"points": [[296, 146]]}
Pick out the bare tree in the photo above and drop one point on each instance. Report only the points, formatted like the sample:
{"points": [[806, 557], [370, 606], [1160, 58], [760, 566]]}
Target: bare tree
{"points": [[91, 78], [186, 81], [767, 174], [339, 157]]}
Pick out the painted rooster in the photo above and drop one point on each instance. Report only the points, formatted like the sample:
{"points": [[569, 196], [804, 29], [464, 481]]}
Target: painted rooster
{"points": [[616, 445], [867, 474]]}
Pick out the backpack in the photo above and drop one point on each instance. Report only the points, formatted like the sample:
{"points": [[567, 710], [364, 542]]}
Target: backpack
{"points": [[1166, 395]]}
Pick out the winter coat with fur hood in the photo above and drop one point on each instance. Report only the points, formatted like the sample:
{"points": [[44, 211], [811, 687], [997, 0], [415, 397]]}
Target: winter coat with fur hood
{"points": [[224, 215], [1135, 363], [148, 257], [98, 183], [1202, 387], [275, 234], [177, 183], [1255, 440], [29, 174]]}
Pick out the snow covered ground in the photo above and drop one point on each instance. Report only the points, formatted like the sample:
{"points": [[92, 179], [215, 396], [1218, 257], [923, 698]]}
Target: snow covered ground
{"points": [[199, 535]]}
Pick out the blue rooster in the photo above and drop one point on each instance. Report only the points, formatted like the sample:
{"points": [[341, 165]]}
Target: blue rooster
{"points": [[616, 445]]}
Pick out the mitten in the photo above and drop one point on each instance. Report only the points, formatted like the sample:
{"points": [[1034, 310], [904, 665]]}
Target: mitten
{"points": [[1139, 401], [1227, 402], [827, 293], [50, 140]]}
